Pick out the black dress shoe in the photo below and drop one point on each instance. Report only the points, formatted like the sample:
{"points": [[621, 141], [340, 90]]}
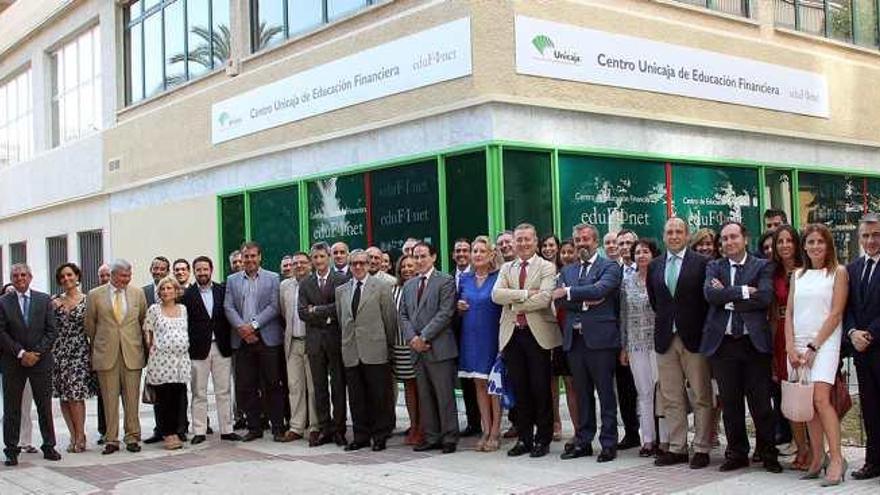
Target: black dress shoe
{"points": [[576, 452], [734, 463], [607, 455], [197, 439], [156, 438], [519, 449], [133, 447], [11, 460], [699, 460], [252, 435], [314, 438], [209, 430], [356, 446], [100, 440], [629, 442], [232, 437], [425, 446], [182, 437], [867, 472], [240, 424], [471, 431], [378, 445], [448, 448], [287, 436], [757, 457], [771, 465], [50, 454], [110, 448], [539, 450], [339, 439], [670, 459]]}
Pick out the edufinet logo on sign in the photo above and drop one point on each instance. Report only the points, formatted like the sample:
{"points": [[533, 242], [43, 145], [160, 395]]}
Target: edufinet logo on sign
{"points": [[550, 52]]}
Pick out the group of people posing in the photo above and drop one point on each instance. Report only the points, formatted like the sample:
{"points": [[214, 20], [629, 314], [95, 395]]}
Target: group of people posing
{"points": [[649, 334]]}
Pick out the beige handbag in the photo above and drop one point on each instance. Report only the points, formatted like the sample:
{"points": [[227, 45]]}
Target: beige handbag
{"points": [[797, 396]]}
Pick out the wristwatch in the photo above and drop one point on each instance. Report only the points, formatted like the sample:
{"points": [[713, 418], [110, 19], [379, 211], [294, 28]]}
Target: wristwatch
{"points": [[811, 346], [255, 324]]}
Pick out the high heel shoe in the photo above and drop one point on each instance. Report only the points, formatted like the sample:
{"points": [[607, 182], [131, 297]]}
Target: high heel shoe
{"points": [[814, 475], [481, 443], [493, 444], [826, 482]]}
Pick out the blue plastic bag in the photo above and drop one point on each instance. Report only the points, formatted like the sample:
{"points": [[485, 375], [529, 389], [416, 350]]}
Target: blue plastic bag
{"points": [[499, 384]]}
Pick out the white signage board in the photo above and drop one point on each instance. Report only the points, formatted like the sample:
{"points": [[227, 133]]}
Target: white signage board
{"points": [[438, 54], [562, 51]]}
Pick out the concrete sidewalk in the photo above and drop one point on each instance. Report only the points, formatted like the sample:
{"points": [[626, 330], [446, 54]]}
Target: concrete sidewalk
{"points": [[266, 467]]}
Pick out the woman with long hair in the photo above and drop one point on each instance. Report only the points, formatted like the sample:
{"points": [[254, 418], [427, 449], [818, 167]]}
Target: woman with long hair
{"points": [[813, 323]]}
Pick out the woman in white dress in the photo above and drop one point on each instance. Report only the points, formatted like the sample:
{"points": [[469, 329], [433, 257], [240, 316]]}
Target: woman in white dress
{"points": [[816, 303], [168, 367]]}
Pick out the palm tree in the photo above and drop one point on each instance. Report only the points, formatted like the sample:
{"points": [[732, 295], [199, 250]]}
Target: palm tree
{"points": [[215, 46]]}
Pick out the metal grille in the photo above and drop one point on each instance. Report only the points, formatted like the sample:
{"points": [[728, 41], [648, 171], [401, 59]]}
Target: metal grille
{"points": [[91, 256], [56, 249], [17, 253]]}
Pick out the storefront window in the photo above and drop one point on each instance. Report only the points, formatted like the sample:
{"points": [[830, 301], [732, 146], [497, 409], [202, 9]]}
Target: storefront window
{"points": [[838, 201], [777, 191], [612, 194], [528, 193], [706, 197], [338, 210], [232, 225], [274, 215], [467, 197], [404, 204]]}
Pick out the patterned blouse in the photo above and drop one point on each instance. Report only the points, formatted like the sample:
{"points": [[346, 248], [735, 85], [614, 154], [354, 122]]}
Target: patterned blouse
{"points": [[169, 357], [636, 316]]}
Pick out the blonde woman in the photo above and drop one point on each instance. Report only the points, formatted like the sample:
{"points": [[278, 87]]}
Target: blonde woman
{"points": [[479, 337], [168, 365]]}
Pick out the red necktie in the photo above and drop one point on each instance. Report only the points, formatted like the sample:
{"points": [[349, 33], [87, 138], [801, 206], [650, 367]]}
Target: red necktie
{"points": [[521, 317], [421, 289]]}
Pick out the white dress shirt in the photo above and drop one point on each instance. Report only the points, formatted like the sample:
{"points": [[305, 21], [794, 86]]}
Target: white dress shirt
{"points": [[745, 294]]}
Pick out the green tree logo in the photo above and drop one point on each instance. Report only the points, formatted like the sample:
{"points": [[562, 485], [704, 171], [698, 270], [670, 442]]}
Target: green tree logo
{"points": [[223, 118], [542, 42]]}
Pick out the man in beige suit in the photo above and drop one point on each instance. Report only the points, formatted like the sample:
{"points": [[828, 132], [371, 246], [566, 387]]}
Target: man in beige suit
{"points": [[528, 332], [114, 323]]}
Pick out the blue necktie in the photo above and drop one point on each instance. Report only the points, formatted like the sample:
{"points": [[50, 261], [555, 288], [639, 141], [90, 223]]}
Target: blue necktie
{"points": [[26, 309]]}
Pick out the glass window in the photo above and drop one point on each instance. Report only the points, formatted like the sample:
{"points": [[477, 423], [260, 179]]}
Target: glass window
{"points": [[838, 201], [276, 20], [232, 228], [338, 210], [709, 196], [865, 31], [56, 249], [527, 190], [275, 223], [777, 191], [851, 21], [404, 203], [91, 256], [467, 197], [76, 100], [840, 19], [16, 119], [17, 253], [612, 193], [736, 7], [172, 41]]}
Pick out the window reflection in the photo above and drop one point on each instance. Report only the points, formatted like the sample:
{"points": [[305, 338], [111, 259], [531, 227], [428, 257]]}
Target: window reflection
{"points": [[276, 20], [175, 48], [304, 14], [16, 119], [339, 8]]}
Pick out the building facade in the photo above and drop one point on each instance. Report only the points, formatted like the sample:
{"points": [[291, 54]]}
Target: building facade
{"points": [[188, 126]]}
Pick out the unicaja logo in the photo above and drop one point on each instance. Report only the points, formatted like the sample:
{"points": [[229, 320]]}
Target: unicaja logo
{"points": [[223, 118], [227, 121], [551, 53]]}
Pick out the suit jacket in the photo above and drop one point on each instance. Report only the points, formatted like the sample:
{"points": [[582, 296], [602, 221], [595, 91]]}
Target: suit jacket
{"points": [[37, 336], [110, 339], [540, 275], [862, 313], [599, 323], [323, 318], [756, 273], [268, 315], [367, 338], [204, 327], [686, 309], [150, 294], [430, 318]]}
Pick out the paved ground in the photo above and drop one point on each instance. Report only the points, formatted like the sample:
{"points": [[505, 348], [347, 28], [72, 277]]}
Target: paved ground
{"points": [[267, 467]]}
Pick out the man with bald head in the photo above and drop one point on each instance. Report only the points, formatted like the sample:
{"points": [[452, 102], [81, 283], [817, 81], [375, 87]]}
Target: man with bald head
{"points": [[609, 243], [374, 255], [675, 290]]}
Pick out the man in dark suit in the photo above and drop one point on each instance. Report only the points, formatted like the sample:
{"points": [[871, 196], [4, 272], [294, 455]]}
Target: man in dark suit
{"points": [[339, 251], [862, 326], [589, 291], [317, 308], [257, 333], [27, 333], [160, 267], [210, 350], [675, 289], [368, 323], [739, 345], [426, 309]]}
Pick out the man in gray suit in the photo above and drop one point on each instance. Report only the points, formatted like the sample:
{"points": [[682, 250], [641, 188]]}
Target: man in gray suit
{"points": [[426, 312], [27, 334], [252, 308], [368, 321]]}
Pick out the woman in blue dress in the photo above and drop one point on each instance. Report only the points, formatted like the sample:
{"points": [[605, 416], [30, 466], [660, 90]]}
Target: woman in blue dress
{"points": [[479, 337]]}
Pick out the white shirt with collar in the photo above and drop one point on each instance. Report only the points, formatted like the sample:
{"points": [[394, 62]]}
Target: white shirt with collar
{"points": [[322, 279], [207, 293], [745, 293], [459, 273], [516, 265]]}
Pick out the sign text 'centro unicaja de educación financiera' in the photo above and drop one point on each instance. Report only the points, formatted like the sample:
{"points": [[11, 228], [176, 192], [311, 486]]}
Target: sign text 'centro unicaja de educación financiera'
{"points": [[438, 54], [562, 51]]}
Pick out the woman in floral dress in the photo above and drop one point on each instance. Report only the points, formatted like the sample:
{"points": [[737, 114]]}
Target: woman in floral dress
{"points": [[72, 379]]}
